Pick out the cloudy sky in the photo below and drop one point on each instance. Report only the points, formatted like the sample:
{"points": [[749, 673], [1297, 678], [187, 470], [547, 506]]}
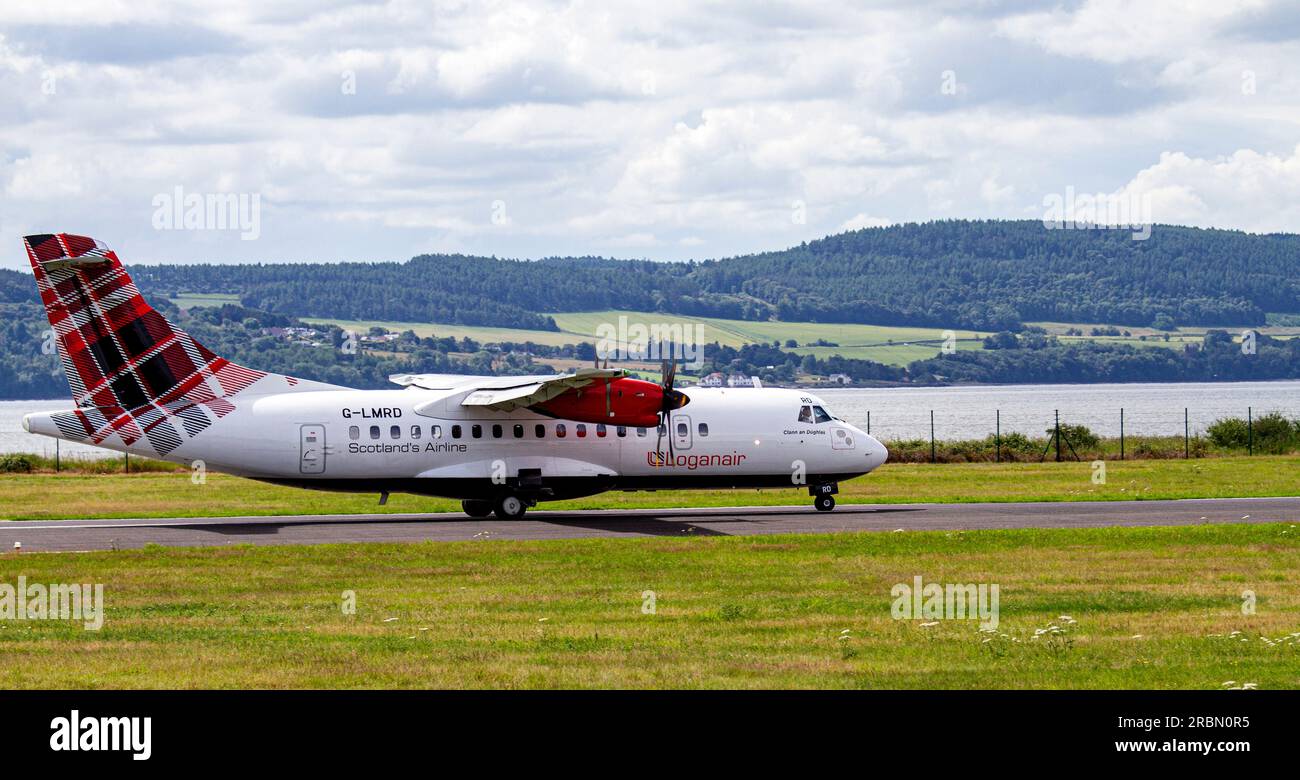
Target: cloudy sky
{"points": [[667, 130]]}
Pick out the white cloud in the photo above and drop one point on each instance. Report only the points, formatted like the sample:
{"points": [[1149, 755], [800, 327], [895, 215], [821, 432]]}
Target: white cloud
{"points": [[1120, 31], [860, 221], [1247, 190], [689, 131]]}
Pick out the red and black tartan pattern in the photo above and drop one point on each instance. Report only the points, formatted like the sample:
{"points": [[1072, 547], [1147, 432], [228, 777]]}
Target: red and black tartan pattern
{"points": [[132, 373]]}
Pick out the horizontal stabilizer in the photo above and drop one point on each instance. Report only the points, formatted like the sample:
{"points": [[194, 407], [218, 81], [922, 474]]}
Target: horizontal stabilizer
{"points": [[61, 250]]}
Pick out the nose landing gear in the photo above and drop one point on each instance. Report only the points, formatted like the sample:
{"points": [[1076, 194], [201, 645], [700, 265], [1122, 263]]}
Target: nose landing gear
{"points": [[824, 495]]}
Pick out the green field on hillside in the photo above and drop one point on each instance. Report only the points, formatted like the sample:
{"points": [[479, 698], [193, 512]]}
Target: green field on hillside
{"points": [[884, 344], [891, 345], [1188, 334], [44, 496], [1094, 608], [478, 333], [198, 300]]}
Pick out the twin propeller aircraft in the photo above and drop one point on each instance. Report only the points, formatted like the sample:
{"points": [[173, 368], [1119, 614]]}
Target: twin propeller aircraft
{"points": [[500, 444]]}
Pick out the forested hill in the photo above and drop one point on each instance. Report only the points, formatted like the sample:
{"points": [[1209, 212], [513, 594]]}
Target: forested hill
{"points": [[989, 275], [986, 274]]}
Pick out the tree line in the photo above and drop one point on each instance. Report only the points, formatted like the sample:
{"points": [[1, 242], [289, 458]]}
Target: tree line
{"points": [[255, 338], [983, 275]]}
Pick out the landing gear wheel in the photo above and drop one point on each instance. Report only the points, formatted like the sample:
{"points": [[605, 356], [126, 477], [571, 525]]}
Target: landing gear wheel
{"points": [[824, 503], [476, 508], [510, 508]]}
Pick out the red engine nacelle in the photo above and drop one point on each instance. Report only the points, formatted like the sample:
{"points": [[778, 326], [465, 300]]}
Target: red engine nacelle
{"points": [[622, 401]]}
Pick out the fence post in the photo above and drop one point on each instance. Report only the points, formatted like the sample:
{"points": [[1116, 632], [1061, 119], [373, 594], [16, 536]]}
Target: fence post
{"points": [[56, 456], [997, 438], [1250, 432], [1057, 435], [932, 436], [1121, 433], [1187, 434], [868, 422], [126, 462]]}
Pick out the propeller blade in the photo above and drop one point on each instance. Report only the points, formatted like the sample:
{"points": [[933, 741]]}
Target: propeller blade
{"points": [[659, 445], [672, 456], [609, 395]]}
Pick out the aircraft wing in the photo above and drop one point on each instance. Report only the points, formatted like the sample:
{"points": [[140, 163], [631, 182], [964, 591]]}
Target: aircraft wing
{"points": [[507, 393]]}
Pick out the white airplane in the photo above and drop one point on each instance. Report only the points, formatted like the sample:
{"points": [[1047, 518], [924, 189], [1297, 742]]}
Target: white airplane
{"points": [[500, 444]]}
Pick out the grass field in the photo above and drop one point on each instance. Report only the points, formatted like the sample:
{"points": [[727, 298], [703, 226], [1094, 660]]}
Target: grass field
{"points": [[58, 496], [1144, 607], [199, 300], [1188, 334], [885, 344]]}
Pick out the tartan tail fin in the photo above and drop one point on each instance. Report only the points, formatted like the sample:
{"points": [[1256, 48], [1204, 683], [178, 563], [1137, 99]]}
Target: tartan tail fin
{"points": [[133, 374]]}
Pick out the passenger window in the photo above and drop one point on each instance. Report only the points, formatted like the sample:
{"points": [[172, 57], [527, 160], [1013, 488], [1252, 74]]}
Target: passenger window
{"points": [[662, 430], [435, 432], [559, 430], [519, 431], [822, 416], [600, 430], [354, 433], [704, 429], [622, 431], [682, 429], [496, 431], [455, 431], [805, 414], [581, 429], [374, 431], [395, 432], [640, 432], [539, 431], [476, 431], [415, 431]]}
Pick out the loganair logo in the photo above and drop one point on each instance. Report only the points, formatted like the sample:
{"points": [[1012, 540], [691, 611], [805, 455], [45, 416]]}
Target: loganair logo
{"points": [[692, 462]]}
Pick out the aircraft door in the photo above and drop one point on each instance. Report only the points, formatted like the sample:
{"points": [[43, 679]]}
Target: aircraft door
{"points": [[681, 432], [311, 449]]}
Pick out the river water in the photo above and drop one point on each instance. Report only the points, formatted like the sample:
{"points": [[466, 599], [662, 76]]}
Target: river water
{"points": [[959, 412]]}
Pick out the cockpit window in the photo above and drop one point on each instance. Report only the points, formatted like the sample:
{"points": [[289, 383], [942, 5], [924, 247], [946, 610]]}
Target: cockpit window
{"points": [[805, 414], [820, 415]]}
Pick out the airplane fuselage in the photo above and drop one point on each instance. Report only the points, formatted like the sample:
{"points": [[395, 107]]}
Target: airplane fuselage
{"points": [[424, 441]]}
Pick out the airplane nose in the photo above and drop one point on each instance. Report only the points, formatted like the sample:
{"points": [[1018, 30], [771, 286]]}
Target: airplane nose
{"points": [[877, 454]]}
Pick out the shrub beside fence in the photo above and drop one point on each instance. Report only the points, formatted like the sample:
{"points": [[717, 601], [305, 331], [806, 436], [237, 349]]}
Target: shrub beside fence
{"points": [[1269, 434]]}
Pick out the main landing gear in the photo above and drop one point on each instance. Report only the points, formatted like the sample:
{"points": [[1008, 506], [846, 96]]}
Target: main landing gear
{"points": [[824, 495], [506, 507], [476, 508], [510, 507]]}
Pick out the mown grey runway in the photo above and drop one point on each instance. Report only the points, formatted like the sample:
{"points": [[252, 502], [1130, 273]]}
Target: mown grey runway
{"points": [[76, 535]]}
